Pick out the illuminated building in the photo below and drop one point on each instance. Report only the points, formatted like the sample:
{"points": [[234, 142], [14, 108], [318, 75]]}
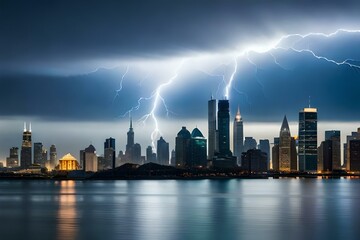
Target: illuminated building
{"points": [[238, 136], [287, 149], [307, 145], [197, 156], [162, 152], [68, 163], [182, 143], [26, 158], [212, 136], [13, 160]]}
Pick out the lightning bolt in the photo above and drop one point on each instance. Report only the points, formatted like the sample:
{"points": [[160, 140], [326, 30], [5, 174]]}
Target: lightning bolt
{"points": [[121, 84], [277, 45]]}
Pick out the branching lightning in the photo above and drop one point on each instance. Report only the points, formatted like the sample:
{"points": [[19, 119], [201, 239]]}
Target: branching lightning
{"points": [[157, 99], [121, 84]]}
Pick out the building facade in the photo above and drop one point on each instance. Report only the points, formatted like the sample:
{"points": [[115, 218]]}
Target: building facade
{"points": [[26, 148], [162, 152], [238, 136], [212, 128], [307, 143]]}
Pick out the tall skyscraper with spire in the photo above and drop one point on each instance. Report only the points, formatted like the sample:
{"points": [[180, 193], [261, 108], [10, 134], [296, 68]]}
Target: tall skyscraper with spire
{"points": [[308, 139], [211, 128], [130, 143], [287, 149], [26, 147], [238, 136]]}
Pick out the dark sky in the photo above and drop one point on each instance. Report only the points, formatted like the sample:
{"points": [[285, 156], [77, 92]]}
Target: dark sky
{"points": [[64, 60]]}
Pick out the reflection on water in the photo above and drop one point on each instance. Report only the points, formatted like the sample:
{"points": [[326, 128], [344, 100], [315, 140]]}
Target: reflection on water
{"points": [[67, 214], [169, 209]]}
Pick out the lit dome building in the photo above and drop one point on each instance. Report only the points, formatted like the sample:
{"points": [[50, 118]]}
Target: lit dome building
{"points": [[68, 163]]}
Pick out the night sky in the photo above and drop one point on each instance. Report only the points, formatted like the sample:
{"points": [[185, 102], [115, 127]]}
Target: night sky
{"points": [[75, 69]]}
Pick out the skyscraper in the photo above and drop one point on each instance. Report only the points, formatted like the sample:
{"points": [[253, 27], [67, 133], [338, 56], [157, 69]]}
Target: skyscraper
{"points": [[249, 143], [197, 149], [224, 128], [275, 154], [238, 136], [264, 146], [287, 149], [353, 136], [25, 158], [308, 140], [130, 143], [38, 154], [150, 155], [53, 156], [182, 143], [211, 128], [13, 160], [354, 155], [334, 137], [109, 154], [162, 152], [90, 160]]}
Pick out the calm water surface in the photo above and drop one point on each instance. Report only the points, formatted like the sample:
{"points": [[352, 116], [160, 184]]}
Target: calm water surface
{"points": [[181, 209]]}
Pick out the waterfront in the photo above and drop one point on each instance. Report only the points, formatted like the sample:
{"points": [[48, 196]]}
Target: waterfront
{"points": [[181, 209]]}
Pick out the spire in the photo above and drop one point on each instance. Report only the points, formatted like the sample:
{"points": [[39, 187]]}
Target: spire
{"points": [[131, 122], [309, 102], [24, 126], [285, 125], [238, 115], [30, 127]]}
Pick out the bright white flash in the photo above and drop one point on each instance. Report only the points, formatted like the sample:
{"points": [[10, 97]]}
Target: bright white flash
{"points": [[157, 100]]}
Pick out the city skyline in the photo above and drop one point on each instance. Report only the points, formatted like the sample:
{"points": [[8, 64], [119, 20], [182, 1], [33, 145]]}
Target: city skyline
{"points": [[131, 131]]}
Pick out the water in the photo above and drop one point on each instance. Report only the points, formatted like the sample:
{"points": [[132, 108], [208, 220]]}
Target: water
{"points": [[181, 209]]}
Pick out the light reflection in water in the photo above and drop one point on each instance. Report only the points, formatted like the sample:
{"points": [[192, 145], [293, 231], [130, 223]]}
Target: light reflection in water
{"points": [[67, 215]]}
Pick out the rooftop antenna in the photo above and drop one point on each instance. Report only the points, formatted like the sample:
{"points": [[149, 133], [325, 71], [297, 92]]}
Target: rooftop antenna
{"points": [[30, 127], [309, 102], [24, 126]]}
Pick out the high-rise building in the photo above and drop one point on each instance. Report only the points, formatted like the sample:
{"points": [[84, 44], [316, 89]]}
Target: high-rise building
{"points": [[38, 154], [53, 157], [238, 136], [264, 146], [197, 149], [254, 160], [287, 149], [212, 128], [182, 144], [150, 155], [25, 158], [173, 157], [162, 152], [13, 160], [353, 136], [307, 143], [44, 154], [335, 160], [325, 156], [224, 128], [275, 154], [249, 143], [137, 154], [354, 155], [90, 160], [109, 154], [130, 143]]}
